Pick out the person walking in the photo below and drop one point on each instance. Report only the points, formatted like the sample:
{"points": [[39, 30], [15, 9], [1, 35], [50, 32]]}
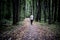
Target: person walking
{"points": [[31, 19]]}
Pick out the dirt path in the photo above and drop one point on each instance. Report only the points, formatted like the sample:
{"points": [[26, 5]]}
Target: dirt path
{"points": [[32, 32]]}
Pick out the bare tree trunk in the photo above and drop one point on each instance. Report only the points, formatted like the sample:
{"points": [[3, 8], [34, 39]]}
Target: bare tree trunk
{"points": [[24, 7], [8, 15], [38, 17], [39, 11], [33, 6], [58, 19], [45, 5], [0, 11], [15, 11], [54, 10], [49, 15], [19, 10]]}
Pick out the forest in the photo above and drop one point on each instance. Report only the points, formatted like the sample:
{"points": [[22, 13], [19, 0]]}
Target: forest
{"points": [[15, 22]]}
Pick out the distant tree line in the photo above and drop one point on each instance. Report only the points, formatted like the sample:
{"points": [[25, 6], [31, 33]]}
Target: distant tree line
{"points": [[48, 10]]}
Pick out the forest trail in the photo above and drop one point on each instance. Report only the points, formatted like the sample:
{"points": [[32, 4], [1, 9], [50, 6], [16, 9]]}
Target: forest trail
{"points": [[32, 32]]}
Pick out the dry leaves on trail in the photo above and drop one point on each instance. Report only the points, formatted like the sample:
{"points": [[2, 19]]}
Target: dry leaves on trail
{"points": [[32, 32]]}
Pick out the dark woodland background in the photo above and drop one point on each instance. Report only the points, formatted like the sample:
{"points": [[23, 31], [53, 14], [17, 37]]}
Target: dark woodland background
{"points": [[13, 12]]}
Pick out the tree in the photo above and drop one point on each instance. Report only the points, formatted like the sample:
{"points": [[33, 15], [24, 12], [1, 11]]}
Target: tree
{"points": [[38, 17], [58, 18], [8, 15], [33, 6], [0, 11], [19, 9], [55, 10], [15, 11], [45, 8], [24, 7], [49, 15]]}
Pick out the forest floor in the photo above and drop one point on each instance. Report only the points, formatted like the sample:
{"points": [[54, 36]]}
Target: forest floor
{"points": [[32, 32]]}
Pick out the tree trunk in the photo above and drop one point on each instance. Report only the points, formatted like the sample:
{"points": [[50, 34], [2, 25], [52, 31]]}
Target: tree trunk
{"points": [[24, 7], [0, 11], [39, 10], [49, 15], [19, 10], [15, 11], [38, 17], [0, 6], [8, 15], [45, 5], [55, 12], [58, 19], [33, 6]]}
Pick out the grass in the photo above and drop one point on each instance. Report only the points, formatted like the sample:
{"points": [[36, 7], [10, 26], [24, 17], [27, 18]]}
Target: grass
{"points": [[9, 27], [54, 27]]}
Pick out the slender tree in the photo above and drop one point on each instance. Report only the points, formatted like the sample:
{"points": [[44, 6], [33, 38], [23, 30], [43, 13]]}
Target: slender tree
{"points": [[15, 11], [38, 17], [39, 10], [3, 6], [0, 11], [49, 15], [8, 7], [19, 9], [24, 7], [58, 18], [45, 5], [52, 10], [55, 12], [33, 6]]}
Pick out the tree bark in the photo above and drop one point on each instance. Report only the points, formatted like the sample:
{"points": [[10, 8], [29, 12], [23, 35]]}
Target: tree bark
{"points": [[0, 11], [15, 11], [58, 19], [38, 17], [49, 15], [8, 15], [55, 12], [45, 5]]}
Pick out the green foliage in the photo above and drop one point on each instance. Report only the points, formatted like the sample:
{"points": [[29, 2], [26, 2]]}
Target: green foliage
{"points": [[25, 9]]}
